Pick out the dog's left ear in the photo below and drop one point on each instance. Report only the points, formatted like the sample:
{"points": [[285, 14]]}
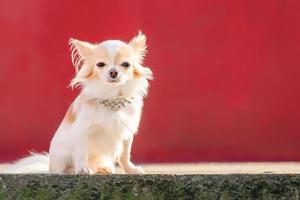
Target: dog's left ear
{"points": [[138, 43]]}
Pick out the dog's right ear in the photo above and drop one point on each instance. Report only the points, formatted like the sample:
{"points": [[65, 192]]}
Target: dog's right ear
{"points": [[80, 51]]}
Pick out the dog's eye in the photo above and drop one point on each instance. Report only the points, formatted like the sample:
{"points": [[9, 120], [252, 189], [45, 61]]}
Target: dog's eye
{"points": [[101, 64], [125, 64]]}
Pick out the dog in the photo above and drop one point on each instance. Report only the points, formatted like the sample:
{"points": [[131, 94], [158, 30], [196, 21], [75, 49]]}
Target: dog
{"points": [[97, 130]]}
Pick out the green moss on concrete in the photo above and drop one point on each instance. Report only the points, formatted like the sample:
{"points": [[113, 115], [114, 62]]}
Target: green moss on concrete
{"points": [[2, 189], [148, 187]]}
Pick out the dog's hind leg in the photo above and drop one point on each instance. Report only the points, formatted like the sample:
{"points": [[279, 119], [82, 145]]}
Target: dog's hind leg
{"points": [[58, 161]]}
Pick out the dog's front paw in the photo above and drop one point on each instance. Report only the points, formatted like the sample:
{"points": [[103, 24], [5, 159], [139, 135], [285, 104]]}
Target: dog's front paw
{"points": [[105, 170], [135, 170], [83, 170]]}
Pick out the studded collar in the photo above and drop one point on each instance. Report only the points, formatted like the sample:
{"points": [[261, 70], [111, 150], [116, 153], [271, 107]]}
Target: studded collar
{"points": [[116, 103]]}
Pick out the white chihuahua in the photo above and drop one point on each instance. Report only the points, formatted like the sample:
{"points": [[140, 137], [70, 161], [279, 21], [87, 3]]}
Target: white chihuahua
{"points": [[98, 128]]}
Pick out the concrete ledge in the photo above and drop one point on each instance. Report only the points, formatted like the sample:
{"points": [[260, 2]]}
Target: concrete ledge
{"points": [[230, 186]]}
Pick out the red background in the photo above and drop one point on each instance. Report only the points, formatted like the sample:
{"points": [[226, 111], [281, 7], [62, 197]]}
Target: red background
{"points": [[226, 82]]}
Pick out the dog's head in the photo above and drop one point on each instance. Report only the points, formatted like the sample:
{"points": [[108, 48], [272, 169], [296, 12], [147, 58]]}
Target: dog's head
{"points": [[111, 62]]}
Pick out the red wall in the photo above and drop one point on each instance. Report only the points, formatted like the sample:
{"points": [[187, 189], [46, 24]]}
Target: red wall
{"points": [[227, 74]]}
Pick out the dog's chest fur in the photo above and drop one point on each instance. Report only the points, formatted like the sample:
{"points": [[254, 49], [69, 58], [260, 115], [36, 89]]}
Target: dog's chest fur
{"points": [[105, 128]]}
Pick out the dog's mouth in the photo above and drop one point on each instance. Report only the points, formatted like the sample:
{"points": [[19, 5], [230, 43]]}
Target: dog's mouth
{"points": [[113, 81]]}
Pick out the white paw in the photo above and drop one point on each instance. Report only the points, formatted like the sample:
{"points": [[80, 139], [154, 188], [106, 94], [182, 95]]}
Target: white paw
{"points": [[135, 170], [83, 170]]}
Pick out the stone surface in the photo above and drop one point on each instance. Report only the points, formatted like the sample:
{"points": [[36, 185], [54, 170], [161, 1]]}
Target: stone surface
{"points": [[223, 168], [229, 186]]}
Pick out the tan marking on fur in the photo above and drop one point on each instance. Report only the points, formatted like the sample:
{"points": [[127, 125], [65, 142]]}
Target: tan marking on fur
{"points": [[104, 170], [93, 75], [91, 103], [137, 74], [69, 169], [119, 93], [70, 116]]}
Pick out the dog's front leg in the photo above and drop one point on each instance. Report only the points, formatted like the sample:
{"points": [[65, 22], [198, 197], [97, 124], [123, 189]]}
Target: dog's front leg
{"points": [[80, 154], [124, 160]]}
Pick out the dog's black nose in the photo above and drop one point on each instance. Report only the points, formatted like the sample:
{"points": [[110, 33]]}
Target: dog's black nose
{"points": [[113, 73]]}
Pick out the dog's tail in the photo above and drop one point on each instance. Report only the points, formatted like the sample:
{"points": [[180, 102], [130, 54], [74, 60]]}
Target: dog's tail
{"points": [[34, 163]]}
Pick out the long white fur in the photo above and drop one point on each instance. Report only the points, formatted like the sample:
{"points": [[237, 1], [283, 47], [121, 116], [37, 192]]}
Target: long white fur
{"points": [[34, 163], [99, 137]]}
